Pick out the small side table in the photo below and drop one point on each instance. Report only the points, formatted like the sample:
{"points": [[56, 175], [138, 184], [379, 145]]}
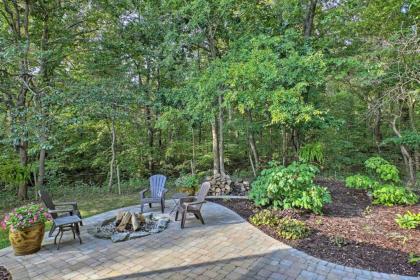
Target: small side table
{"points": [[176, 197], [67, 223]]}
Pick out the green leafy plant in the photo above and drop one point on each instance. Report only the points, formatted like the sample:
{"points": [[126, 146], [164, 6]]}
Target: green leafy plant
{"points": [[189, 182], [292, 229], [360, 182], [409, 220], [413, 259], [390, 195], [25, 216], [338, 241], [264, 217], [290, 187], [13, 173], [383, 169], [313, 152]]}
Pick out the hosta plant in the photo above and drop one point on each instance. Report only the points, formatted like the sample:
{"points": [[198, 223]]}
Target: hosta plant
{"points": [[292, 229], [360, 182], [409, 220], [24, 217], [383, 169], [390, 195]]}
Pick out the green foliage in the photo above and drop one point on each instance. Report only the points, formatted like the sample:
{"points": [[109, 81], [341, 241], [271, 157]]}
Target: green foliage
{"points": [[292, 229], [313, 152], [187, 181], [13, 173], [413, 259], [409, 220], [385, 170], [288, 187], [264, 217], [408, 138], [360, 182], [390, 195]]}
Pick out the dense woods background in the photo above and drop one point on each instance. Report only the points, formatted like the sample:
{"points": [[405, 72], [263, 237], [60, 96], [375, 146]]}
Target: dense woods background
{"points": [[93, 92]]}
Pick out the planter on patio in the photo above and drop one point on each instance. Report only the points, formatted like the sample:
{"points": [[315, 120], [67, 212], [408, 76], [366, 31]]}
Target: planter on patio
{"points": [[28, 240], [27, 227]]}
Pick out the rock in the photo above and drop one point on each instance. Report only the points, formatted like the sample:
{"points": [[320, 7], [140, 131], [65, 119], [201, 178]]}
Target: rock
{"points": [[103, 234], [138, 234], [118, 237]]}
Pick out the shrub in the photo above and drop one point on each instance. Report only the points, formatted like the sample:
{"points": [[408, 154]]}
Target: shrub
{"points": [[408, 220], [383, 169], [390, 195], [292, 229], [190, 182], [360, 182], [287, 187], [265, 217], [25, 216]]}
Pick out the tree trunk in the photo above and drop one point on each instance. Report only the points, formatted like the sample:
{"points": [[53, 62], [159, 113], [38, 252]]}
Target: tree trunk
{"points": [[221, 141], [23, 156], [284, 146], [408, 160], [193, 153], [41, 174], [150, 136], [251, 142], [377, 129], [215, 142], [112, 162], [309, 19]]}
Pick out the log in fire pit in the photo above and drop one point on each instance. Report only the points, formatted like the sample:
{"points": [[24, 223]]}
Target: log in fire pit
{"points": [[129, 225]]}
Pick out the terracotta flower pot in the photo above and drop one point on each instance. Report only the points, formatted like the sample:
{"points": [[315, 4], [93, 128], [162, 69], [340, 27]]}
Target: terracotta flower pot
{"points": [[28, 240]]}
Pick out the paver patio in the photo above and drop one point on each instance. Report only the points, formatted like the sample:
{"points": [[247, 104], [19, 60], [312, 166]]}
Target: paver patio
{"points": [[227, 247]]}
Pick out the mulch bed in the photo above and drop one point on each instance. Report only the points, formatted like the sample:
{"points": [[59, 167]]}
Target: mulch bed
{"points": [[5, 274], [351, 232]]}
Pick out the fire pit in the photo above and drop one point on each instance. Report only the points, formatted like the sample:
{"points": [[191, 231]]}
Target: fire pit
{"points": [[129, 225]]}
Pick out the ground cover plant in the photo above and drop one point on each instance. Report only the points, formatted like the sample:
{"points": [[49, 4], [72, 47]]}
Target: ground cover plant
{"points": [[351, 231]]}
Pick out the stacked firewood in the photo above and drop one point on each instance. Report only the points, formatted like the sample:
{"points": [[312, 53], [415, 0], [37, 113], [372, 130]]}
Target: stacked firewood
{"points": [[241, 187], [220, 184], [128, 221]]}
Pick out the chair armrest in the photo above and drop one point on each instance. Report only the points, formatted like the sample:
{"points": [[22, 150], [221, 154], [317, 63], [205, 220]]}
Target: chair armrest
{"points": [[187, 204], [142, 192], [164, 191], [56, 211], [186, 199], [65, 203], [73, 204]]}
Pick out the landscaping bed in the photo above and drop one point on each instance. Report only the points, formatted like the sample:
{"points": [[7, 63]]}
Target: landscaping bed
{"points": [[351, 231]]}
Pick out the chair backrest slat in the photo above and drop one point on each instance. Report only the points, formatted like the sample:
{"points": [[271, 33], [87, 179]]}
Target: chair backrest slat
{"points": [[48, 202], [202, 193], [157, 184]]}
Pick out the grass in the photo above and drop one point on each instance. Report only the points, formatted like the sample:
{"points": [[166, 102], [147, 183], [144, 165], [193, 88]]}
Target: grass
{"points": [[90, 200]]}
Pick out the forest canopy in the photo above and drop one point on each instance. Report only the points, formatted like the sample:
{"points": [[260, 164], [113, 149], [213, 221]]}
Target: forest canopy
{"points": [[204, 87]]}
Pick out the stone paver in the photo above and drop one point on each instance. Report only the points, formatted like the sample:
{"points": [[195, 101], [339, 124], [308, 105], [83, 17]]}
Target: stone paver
{"points": [[227, 247]]}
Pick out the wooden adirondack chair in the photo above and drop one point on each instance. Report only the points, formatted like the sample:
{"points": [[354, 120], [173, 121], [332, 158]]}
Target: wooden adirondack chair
{"points": [[157, 192], [58, 209], [193, 204]]}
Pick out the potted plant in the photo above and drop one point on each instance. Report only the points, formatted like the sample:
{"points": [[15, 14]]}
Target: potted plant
{"points": [[26, 226], [187, 184]]}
